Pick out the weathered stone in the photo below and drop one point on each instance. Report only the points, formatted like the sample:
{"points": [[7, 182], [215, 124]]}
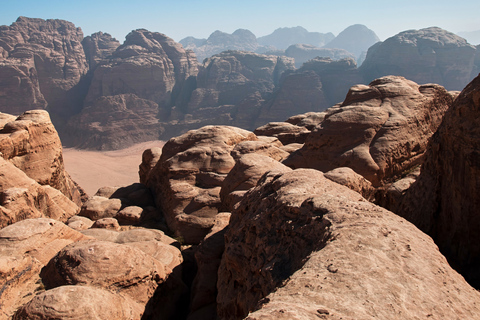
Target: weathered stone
{"points": [[314, 249], [99, 207], [187, 179], [106, 223], [79, 302], [380, 130], [444, 202], [115, 267]]}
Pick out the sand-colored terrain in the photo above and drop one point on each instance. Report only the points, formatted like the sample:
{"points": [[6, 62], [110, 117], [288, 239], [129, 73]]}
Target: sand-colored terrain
{"points": [[95, 169]]}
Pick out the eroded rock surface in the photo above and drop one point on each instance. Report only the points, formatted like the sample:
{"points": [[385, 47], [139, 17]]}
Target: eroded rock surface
{"points": [[443, 201], [315, 249], [187, 179], [379, 131]]}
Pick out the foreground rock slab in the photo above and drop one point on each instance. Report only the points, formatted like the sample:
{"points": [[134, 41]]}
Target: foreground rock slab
{"points": [[311, 249]]}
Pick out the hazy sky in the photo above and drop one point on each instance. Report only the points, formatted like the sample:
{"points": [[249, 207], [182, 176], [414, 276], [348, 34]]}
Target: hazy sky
{"points": [[199, 18]]}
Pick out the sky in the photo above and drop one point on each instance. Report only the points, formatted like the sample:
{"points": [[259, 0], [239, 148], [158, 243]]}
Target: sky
{"points": [[199, 18]]}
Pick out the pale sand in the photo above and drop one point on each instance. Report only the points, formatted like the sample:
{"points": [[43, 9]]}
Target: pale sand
{"points": [[95, 169]]}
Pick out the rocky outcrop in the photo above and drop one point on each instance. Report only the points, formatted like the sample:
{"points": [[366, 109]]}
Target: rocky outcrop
{"points": [[25, 248], [123, 269], [31, 143], [356, 39], [298, 234], [44, 62], [430, 55], [282, 38], [443, 202], [304, 52], [187, 179], [79, 302], [247, 171], [97, 47], [380, 130]]}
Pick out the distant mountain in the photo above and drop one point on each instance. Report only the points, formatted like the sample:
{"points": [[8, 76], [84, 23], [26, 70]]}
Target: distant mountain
{"points": [[282, 38], [430, 55], [355, 39], [304, 52], [473, 37], [218, 41]]}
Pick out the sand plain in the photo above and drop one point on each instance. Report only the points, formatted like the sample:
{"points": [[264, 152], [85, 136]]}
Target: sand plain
{"points": [[95, 169]]}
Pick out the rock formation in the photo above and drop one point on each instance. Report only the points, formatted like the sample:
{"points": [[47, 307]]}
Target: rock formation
{"points": [[302, 247], [317, 85], [31, 143], [304, 52], [51, 63], [443, 202], [187, 179], [97, 47], [34, 181], [380, 130], [282, 38], [430, 55], [355, 39], [25, 248], [218, 41]]}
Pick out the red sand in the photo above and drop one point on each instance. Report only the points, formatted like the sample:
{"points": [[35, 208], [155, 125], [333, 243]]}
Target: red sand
{"points": [[95, 169]]}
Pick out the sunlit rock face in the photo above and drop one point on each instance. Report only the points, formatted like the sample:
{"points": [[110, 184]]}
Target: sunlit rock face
{"points": [[430, 55], [380, 130], [300, 246]]}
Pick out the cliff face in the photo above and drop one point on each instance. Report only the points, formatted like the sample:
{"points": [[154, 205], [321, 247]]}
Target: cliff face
{"points": [[430, 55], [443, 201], [52, 61]]}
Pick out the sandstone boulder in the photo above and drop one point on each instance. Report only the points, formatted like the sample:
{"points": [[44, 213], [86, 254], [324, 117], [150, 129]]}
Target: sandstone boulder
{"points": [[443, 202], [150, 158], [99, 207], [23, 198], [308, 120], [285, 132], [79, 302], [106, 223], [267, 146], [187, 179], [430, 55], [311, 248], [79, 223], [25, 247], [32, 144], [244, 175], [115, 267], [380, 130], [352, 180]]}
